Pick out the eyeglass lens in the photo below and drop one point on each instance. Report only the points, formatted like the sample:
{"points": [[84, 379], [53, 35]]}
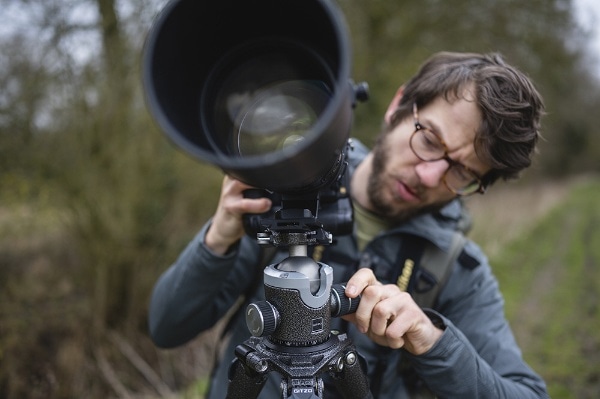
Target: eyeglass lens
{"points": [[428, 147]]}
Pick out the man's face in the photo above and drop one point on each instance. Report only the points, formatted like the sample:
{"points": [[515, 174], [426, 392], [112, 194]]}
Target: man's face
{"points": [[401, 185]]}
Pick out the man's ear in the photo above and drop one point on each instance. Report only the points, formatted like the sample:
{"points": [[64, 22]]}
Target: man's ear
{"points": [[394, 104]]}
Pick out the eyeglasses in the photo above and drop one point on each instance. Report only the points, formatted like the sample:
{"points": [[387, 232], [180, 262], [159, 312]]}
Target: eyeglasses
{"points": [[430, 147]]}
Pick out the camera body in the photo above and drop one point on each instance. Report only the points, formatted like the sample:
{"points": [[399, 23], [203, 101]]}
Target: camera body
{"points": [[329, 208]]}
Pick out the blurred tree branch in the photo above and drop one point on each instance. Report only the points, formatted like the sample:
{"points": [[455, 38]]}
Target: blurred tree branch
{"points": [[74, 132]]}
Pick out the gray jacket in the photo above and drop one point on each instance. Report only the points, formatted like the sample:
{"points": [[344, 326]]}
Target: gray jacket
{"points": [[477, 356]]}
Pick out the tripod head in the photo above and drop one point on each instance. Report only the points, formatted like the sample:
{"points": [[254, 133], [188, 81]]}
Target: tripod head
{"points": [[300, 301], [291, 328], [295, 224], [292, 335]]}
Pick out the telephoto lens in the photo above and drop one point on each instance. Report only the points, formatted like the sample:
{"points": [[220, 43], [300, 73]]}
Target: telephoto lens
{"points": [[259, 88]]}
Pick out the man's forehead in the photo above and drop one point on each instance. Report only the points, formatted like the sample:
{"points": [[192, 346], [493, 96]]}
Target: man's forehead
{"points": [[457, 121]]}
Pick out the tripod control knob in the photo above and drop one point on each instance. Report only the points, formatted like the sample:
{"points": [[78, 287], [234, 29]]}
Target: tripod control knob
{"points": [[262, 318], [340, 304]]}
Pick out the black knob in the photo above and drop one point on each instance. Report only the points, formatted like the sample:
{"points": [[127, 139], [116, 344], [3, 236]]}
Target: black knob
{"points": [[262, 318], [340, 304]]}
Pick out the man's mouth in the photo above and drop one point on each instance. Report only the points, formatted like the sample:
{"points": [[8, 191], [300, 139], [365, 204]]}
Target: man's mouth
{"points": [[406, 193]]}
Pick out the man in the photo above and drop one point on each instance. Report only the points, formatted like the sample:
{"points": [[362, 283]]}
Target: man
{"points": [[463, 122]]}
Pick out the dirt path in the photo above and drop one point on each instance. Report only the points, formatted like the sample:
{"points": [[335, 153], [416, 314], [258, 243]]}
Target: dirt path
{"points": [[551, 279], [505, 214], [506, 211]]}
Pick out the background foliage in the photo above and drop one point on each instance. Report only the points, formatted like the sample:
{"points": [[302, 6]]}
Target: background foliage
{"points": [[95, 203]]}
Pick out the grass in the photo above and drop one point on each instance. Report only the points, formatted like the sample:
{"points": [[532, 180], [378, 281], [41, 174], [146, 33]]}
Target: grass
{"points": [[550, 277]]}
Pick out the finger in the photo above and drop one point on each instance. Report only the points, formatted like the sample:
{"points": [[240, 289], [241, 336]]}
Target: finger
{"points": [[359, 281], [235, 203], [385, 311], [395, 343], [371, 297], [396, 331], [382, 316], [232, 186], [416, 330], [391, 320], [362, 316], [254, 205]]}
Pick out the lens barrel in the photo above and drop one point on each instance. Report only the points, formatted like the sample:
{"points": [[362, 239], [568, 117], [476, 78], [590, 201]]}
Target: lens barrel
{"points": [[258, 88]]}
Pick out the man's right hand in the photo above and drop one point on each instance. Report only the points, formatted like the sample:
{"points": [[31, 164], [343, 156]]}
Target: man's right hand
{"points": [[227, 225]]}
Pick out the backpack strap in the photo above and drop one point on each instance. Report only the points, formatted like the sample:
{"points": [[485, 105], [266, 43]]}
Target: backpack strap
{"points": [[418, 267], [430, 276], [434, 270]]}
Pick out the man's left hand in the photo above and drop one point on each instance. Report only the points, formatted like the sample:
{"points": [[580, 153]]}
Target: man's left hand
{"points": [[389, 316]]}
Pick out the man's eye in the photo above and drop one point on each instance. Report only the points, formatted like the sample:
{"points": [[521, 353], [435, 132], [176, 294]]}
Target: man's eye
{"points": [[461, 174], [430, 140]]}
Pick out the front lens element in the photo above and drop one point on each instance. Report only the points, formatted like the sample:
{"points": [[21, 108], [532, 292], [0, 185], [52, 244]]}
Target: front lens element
{"points": [[278, 116]]}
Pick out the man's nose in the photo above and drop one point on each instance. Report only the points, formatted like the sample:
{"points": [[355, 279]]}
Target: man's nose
{"points": [[432, 173]]}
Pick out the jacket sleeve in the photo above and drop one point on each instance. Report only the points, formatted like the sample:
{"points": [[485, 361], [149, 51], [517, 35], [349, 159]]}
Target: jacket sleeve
{"points": [[198, 289], [477, 356]]}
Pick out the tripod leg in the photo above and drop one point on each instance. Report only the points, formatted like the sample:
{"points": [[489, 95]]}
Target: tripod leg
{"points": [[351, 380], [243, 382]]}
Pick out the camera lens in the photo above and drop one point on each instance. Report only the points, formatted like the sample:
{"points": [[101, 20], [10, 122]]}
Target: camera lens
{"points": [[264, 98], [279, 116], [260, 89]]}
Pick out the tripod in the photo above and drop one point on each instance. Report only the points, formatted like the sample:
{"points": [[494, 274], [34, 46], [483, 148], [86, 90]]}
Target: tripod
{"points": [[291, 329]]}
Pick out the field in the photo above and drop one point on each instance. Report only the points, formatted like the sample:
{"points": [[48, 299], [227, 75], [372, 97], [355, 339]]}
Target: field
{"points": [[547, 258], [543, 240]]}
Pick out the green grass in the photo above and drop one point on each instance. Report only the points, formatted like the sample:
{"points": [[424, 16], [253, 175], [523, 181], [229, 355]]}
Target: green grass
{"points": [[196, 390], [551, 281]]}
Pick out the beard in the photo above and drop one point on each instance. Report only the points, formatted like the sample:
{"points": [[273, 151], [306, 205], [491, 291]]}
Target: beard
{"points": [[377, 185]]}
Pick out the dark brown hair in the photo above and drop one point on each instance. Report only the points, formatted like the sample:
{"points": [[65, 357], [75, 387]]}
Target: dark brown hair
{"points": [[510, 105]]}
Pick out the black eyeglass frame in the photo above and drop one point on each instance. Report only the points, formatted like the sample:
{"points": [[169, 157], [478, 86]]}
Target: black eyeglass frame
{"points": [[480, 188]]}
